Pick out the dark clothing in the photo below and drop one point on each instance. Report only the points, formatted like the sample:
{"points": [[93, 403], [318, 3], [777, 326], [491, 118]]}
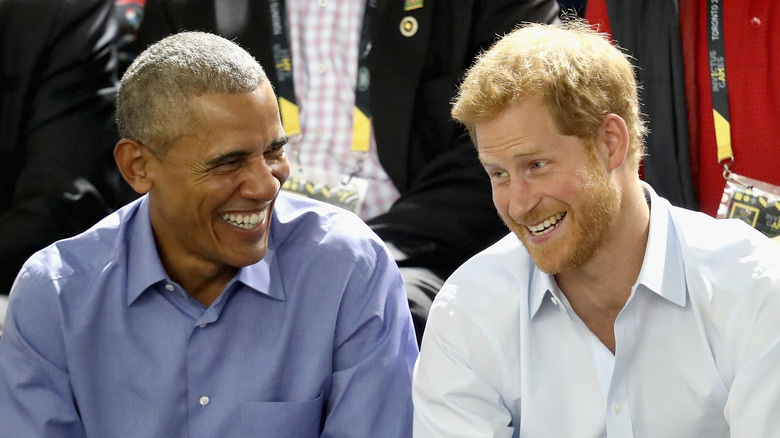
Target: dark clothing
{"points": [[57, 72], [649, 31], [445, 213], [674, 67]]}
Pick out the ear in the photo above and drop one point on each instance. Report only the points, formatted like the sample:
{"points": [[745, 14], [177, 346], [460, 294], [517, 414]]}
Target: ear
{"points": [[132, 159], [613, 139]]}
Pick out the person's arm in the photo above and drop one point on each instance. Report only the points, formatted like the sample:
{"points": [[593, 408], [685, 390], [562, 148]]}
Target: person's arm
{"points": [[454, 387], [36, 400], [754, 395], [57, 118], [375, 350]]}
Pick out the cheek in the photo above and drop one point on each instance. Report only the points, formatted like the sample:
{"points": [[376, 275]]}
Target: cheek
{"points": [[206, 197], [500, 200]]}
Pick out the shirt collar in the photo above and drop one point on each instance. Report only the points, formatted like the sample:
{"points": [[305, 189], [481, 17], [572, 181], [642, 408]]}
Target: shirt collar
{"points": [[540, 285], [662, 269], [264, 276], [145, 269]]}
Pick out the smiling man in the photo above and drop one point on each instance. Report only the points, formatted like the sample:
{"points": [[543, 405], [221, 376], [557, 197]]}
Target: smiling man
{"points": [[606, 311], [215, 305]]}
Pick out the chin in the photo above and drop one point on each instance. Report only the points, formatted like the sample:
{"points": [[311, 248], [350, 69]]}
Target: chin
{"points": [[555, 256], [545, 262], [245, 258]]}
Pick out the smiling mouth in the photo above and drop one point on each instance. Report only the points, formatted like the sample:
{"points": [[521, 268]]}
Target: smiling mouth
{"points": [[245, 221], [548, 225]]}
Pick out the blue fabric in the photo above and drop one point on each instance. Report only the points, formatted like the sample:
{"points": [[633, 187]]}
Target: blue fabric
{"points": [[313, 340]]}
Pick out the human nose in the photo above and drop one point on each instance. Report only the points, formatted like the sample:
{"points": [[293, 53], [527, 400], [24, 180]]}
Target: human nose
{"points": [[523, 197], [263, 179]]}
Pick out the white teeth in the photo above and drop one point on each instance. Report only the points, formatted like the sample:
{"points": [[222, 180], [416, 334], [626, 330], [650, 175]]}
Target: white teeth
{"points": [[245, 221], [546, 226]]}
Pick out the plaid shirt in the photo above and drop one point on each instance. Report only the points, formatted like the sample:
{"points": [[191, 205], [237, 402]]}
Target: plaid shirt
{"points": [[324, 39]]}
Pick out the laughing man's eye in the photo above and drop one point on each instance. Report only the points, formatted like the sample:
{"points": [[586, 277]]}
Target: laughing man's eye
{"points": [[538, 164], [497, 174], [230, 164], [275, 150]]}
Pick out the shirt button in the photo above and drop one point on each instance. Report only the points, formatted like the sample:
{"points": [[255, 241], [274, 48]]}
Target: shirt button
{"points": [[755, 22], [201, 325], [617, 407], [554, 300], [169, 287], [322, 68], [204, 400]]}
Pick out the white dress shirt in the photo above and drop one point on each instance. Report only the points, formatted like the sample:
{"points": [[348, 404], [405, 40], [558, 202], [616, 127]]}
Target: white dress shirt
{"points": [[697, 344]]}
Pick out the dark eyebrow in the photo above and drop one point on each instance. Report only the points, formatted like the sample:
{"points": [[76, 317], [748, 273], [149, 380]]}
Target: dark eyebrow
{"points": [[224, 158], [279, 142], [240, 155]]}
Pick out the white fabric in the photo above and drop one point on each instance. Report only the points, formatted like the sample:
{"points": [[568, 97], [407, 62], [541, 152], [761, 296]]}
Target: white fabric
{"points": [[324, 39], [504, 355]]}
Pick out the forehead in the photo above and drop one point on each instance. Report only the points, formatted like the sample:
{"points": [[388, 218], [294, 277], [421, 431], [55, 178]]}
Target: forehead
{"points": [[221, 122], [522, 124], [526, 131], [216, 108]]}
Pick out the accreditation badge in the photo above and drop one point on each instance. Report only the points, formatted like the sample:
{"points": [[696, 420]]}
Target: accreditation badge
{"points": [[337, 189], [755, 202]]}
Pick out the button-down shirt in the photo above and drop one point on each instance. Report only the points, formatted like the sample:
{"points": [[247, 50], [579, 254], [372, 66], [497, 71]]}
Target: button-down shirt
{"points": [[324, 40], [697, 344], [313, 340]]}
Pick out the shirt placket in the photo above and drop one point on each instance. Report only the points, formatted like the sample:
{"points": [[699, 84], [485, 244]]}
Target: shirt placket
{"points": [[618, 409]]}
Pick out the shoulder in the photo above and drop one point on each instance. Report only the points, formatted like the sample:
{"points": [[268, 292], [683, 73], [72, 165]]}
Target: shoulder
{"points": [[489, 276], [477, 318], [59, 279], [728, 252], [322, 229], [85, 255], [732, 273]]}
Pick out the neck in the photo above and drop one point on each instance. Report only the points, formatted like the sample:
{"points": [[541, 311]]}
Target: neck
{"points": [[203, 281], [599, 288]]}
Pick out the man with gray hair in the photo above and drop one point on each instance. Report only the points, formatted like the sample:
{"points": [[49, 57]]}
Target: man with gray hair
{"points": [[214, 305], [606, 312]]}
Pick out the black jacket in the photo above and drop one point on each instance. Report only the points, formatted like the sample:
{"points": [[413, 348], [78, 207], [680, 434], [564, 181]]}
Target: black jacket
{"points": [[56, 123], [649, 30]]}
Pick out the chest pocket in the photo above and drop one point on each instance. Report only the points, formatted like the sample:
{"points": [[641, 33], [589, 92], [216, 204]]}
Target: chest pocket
{"points": [[294, 419]]}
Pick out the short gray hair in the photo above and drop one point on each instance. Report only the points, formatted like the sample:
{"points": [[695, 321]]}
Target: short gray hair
{"points": [[152, 100]]}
